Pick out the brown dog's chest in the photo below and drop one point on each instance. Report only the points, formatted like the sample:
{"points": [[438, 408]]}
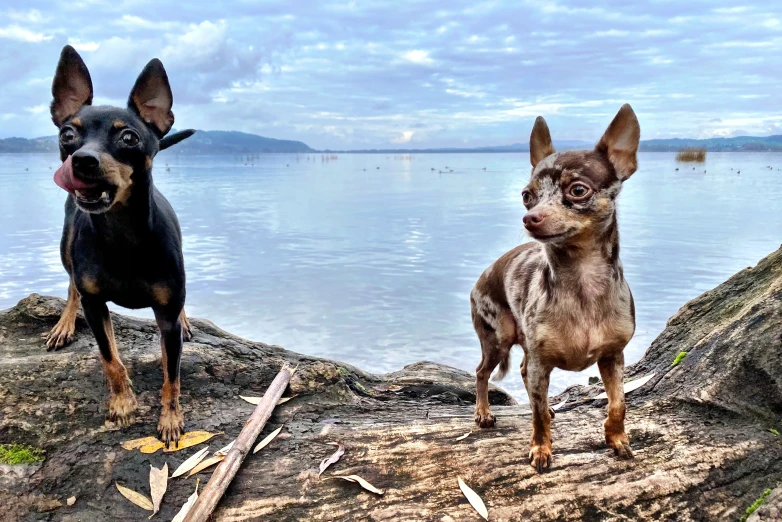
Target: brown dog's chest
{"points": [[572, 323], [575, 343]]}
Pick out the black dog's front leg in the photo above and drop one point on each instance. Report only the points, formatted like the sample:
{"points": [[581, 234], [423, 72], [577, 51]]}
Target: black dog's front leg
{"points": [[122, 401], [171, 424]]}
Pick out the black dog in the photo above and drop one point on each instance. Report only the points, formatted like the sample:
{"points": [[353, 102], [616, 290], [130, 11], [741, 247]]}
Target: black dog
{"points": [[121, 239]]}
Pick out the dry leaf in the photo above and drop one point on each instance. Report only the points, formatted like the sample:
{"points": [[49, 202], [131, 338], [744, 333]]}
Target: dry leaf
{"points": [[211, 461], [191, 462], [192, 438], [137, 498], [559, 405], [257, 400], [152, 445], [137, 443], [180, 517], [158, 482], [71, 501], [364, 484], [630, 386], [224, 451], [267, 440], [325, 463], [464, 436], [474, 500]]}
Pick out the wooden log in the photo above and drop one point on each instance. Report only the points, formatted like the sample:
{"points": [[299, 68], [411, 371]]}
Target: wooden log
{"points": [[228, 468]]}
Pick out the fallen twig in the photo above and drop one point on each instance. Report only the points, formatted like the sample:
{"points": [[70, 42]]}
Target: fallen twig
{"points": [[227, 469]]}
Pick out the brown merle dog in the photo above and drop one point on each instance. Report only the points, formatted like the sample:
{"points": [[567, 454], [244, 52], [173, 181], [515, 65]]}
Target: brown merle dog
{"points": [[563, 297], [121, 239]]}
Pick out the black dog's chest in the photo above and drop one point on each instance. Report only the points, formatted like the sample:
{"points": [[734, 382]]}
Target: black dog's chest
{"points": [[138, 276]]}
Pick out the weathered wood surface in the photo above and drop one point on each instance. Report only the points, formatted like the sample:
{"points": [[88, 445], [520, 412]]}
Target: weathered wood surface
{"points": [[700, 430]]}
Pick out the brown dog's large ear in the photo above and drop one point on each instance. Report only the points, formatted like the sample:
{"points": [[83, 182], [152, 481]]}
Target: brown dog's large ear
{"points": [[620, 142], [72, 86], [151, 98], [540, 144]]}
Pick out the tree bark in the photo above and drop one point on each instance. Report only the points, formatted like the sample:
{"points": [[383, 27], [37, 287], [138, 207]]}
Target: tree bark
{"points": [[701, 430]]}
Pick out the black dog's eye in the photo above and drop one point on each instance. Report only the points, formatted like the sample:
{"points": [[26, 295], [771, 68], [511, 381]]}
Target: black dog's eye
{"points": [[129, 138], [579, 191], [526, 197], [67, 135]]}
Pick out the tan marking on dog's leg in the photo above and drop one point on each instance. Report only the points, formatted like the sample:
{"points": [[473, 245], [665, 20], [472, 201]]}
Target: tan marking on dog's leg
{"points": [[172, 423], [536, 380], [122, 400], [90, 285], [62, 333], [612, 372], [187, 330], [161, 294]]}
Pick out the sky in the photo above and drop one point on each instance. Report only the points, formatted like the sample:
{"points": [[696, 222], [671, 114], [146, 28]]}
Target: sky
{"points": [[337, 74]]}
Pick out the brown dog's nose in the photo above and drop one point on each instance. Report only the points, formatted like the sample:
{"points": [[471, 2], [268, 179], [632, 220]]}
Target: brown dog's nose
{"points": [[533, 220]]}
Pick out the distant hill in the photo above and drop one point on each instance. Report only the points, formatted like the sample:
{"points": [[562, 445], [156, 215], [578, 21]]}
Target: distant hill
{"points": [[736, 144], [202, 142], [234, 142]]}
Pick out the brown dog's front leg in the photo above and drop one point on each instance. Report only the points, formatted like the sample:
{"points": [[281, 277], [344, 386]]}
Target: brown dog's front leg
{"points": [[187, 330], [536, 380], [172, 423], [612, 372], [62, 333], [122, 401]]}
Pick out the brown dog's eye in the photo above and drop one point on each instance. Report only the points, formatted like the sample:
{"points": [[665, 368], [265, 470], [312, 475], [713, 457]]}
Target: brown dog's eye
{"points": [[526, 197], [579, 191], [67, 135], [129, 138]]}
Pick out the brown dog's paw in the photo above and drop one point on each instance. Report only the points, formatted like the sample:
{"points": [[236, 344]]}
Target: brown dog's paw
{"points": [[540, 457], [170, 426], [484, 419], [122, 406], [60, 336], [621, 445], [187, 331]]}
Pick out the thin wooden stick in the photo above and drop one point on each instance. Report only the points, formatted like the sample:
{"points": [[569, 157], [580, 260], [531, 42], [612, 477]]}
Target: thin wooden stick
{"points": [[227, 469]]}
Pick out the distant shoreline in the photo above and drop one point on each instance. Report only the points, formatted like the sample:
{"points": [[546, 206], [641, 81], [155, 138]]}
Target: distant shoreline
{"points": [[237, 143]]}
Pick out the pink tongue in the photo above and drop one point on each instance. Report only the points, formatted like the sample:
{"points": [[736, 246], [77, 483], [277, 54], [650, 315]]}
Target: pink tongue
{"points": [[65, 179]]}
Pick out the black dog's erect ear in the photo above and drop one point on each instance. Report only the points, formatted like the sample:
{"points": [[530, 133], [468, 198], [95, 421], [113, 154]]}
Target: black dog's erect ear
{"points": [[151, 98], [175, 138], [72, 86]]}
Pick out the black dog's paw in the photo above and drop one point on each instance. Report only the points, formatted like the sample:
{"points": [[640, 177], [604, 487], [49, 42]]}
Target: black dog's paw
{"points": [[171, 426], [122, 407]]}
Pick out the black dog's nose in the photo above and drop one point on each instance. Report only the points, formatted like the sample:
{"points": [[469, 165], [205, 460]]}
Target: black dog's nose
{"points": [[85, 161], [533, 219]]}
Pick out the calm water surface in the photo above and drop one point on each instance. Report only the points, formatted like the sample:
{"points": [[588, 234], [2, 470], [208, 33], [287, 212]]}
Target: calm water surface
{"points": [[370, 259]]}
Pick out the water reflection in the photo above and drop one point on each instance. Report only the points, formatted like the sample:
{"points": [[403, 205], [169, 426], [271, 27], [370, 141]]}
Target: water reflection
{"points": [[374, 266]]}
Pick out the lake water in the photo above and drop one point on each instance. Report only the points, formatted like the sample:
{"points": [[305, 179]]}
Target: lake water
{"points": [[369, 259]]}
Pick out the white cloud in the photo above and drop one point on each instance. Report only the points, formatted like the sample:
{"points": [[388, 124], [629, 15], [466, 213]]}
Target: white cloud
{"points": [[20, 34], [38, 109], [84, 46], [198, 44], [33, 16], [418, 56], [136, 22], [611, 33], [404, 138]]}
